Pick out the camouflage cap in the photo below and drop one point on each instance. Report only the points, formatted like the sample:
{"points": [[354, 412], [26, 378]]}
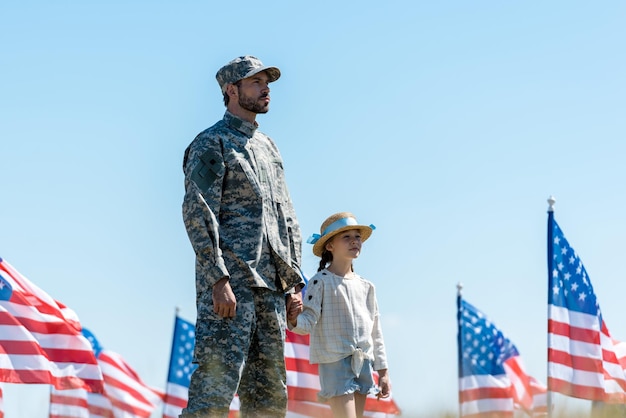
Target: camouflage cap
{"points": [[244, 67]]}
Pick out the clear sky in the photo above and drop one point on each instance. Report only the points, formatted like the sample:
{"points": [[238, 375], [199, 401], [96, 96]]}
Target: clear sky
{"points": [[447, 124]]}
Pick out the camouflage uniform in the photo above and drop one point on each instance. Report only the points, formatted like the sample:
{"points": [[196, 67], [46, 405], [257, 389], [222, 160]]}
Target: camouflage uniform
{"points": [[242, 225]]}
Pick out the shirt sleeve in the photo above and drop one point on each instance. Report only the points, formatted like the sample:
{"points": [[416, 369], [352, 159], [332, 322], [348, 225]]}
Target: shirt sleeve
{"points": [[312, 308], [378, 343], [204, 170]]}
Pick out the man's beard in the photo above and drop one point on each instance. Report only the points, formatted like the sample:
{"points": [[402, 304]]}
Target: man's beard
{"points": [[252, 104]]}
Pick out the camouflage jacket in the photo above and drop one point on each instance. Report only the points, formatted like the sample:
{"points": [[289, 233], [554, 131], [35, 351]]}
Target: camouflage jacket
{"points": [[237, 209]]}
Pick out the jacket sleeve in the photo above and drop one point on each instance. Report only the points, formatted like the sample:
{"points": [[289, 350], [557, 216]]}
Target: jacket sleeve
{"points": [[204, 171]]}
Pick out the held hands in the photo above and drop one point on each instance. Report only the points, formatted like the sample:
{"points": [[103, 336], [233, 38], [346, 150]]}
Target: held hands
{"points": [[224, 301], [294, 307]]}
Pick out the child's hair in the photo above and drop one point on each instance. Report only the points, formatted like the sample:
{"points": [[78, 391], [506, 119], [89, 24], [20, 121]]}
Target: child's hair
{"points": [[327, 257]]}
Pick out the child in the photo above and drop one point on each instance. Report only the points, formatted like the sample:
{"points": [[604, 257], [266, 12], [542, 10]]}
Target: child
{"points": [[341, 313]]}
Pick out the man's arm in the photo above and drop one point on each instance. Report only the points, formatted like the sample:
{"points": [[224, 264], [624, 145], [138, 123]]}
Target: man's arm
{"points": [[204, 170]]}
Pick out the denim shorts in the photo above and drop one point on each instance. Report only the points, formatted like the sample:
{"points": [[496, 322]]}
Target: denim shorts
{"points": [[337, 379]]}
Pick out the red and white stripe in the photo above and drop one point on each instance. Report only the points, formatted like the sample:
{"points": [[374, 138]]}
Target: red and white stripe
{"points": [[528, 393], [41, 339], [175, 400], [125, 394], [583, 360], [481, 395], [129, 395], [78, 403], [486, 395]]}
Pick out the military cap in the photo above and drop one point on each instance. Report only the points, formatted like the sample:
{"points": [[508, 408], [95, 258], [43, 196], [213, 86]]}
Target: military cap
{"points": [[244, 67]]}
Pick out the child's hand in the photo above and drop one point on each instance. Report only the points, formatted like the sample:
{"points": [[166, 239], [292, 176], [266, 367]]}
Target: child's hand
{"points": [[383, 383]]}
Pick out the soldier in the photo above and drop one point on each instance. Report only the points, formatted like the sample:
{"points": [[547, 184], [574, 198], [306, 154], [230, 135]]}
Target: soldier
{"points": [[243, 228]]}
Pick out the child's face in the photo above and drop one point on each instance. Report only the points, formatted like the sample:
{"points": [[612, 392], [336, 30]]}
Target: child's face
{"points": [[346, 244]]}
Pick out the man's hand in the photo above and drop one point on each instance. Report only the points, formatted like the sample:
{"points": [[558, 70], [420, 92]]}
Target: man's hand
{"points": [[294, 306], [224, 301]]}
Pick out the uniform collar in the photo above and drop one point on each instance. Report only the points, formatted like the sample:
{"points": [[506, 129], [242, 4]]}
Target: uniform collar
{"points": [[246, 128]]}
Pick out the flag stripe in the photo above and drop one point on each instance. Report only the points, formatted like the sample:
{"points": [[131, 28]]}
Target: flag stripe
{"points": [[300, 364], [68, 403], [573, 333], [125, 389]]}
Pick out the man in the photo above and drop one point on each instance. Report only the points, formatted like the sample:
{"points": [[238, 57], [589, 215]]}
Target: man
{"points": [[243, 229]]}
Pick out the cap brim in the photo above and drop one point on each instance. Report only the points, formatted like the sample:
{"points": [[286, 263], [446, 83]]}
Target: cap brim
{"points": [[273, 73]]}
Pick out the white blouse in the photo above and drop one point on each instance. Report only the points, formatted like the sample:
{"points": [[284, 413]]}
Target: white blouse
{"points": [[341, 314]]}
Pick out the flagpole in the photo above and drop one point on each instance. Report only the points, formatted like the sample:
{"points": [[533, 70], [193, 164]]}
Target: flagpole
{"points": [[551, 202], [459, 289]]}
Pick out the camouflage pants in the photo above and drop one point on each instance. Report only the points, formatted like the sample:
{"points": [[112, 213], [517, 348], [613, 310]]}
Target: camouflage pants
{"points": [[243, 355]]}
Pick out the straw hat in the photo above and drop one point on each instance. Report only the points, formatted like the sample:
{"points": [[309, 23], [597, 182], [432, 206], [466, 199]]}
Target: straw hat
{"points": [[333, 225]]}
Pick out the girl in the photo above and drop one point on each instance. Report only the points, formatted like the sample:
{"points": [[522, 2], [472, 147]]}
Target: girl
{"points": [[341, 313]]}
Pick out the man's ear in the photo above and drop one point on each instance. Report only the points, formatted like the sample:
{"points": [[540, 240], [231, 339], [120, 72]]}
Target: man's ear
{"points": [[231, 90]]}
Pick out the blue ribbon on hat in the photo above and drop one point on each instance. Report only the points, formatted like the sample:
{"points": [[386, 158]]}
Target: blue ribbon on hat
{"points": [[313, 238], [340, 223]]}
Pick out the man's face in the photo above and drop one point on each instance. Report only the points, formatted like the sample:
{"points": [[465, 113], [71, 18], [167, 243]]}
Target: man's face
{"points": [[254, 93]]}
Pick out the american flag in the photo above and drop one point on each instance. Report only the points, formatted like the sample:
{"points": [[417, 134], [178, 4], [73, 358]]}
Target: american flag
{"points": [[180, 370], [584, 361], [125, 394], [41, 340], [181, 367], [302, 379], [492, 379]]}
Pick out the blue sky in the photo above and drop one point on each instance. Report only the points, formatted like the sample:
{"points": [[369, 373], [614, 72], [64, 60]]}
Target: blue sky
{"points": [[445, 124]]}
